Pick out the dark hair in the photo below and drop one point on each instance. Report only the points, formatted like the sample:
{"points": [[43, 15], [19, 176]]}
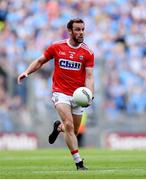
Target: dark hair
{"points": [[70, 23]]}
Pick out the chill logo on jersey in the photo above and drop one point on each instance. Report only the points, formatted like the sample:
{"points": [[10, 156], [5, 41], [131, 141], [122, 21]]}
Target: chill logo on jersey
{"points": [[70, 65]]}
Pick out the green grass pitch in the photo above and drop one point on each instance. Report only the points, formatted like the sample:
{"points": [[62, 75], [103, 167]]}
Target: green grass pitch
{"points": [[58, 164]]}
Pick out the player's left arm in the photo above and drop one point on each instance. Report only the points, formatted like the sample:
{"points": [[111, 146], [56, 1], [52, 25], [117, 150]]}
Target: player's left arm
{"points": [[89, 81]]}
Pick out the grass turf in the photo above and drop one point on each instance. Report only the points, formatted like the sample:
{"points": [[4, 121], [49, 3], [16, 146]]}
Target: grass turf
{"points": [[58, 164]]}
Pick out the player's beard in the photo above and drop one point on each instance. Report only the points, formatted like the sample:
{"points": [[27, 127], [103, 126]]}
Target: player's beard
{"points": [[78, 40]]}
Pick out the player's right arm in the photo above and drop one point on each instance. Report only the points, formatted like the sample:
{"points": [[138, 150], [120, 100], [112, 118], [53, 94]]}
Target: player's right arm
{"points": [[34, 66]]}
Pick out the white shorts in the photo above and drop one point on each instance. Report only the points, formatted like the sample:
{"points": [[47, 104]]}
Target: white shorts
{"points": [[63, 98]]}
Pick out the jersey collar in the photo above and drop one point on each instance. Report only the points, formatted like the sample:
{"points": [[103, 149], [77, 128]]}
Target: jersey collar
{"points": [[74, 47]]}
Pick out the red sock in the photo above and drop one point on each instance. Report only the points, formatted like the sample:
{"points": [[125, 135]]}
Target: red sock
{"points": [[76, 155]]}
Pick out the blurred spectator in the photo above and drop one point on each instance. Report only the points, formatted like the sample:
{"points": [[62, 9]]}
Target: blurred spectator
{"points": [[6, 124]]}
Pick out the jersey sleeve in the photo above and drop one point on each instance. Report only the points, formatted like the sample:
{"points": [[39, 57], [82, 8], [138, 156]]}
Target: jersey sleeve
{"points": [[49, 52], [90, 60]]}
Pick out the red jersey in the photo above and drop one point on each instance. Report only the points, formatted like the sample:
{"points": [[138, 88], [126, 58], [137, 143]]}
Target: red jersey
{"points": [[70, 65]]}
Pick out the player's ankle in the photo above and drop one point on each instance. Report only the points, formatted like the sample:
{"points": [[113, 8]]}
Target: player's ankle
{"points": [[76, 156]]}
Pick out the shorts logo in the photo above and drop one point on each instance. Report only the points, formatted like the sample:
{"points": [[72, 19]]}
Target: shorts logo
{"points": [[71, 65], [56, 99]]}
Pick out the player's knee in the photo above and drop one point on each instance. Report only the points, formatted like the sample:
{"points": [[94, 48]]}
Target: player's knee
{"points": [[69, 126]]}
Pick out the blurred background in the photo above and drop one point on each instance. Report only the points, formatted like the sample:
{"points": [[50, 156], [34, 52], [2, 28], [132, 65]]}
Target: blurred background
{"points": [[115, 31]]}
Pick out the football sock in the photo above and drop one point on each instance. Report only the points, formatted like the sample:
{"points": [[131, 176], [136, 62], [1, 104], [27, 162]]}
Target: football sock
{"points": [[76, 156]]}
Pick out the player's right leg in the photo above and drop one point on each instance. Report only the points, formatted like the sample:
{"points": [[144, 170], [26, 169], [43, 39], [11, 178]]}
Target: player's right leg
{"points": [[53, 136], [58, 126], [64, 110]]}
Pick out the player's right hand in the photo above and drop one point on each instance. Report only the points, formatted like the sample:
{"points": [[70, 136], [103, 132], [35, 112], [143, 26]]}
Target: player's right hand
{"points": [[21, 77]]}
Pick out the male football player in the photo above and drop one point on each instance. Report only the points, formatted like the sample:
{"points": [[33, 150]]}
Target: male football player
{"points": [[73, 68]]}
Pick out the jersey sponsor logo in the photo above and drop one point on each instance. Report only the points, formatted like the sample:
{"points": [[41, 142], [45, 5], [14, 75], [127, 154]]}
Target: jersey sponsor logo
{"points": [[71, 65]]}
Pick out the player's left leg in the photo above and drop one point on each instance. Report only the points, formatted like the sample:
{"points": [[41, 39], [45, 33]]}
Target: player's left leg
{"points": [[77, 121]]}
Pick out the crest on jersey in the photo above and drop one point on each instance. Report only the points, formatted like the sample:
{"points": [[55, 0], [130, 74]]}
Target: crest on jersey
{"points": [[81, 57]]}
